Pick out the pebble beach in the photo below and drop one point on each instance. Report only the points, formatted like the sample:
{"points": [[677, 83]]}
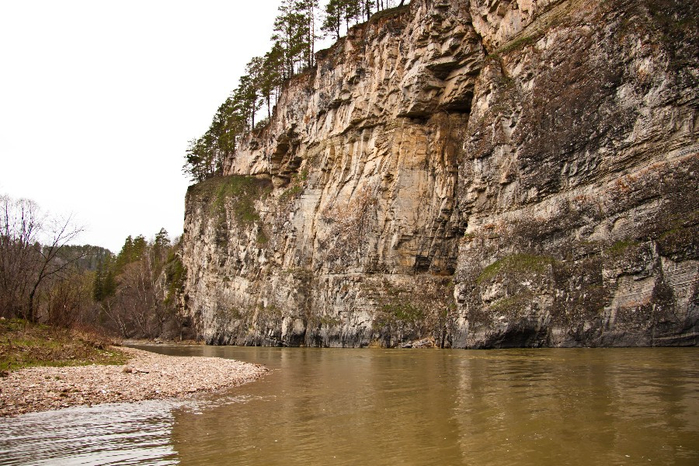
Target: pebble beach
{"points": [[145, 376]]}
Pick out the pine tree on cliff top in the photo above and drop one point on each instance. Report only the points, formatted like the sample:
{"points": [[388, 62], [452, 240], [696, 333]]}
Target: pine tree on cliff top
{"points": [[294, 49]]}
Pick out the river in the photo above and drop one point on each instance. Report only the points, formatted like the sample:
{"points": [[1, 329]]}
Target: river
{"points": [[396, 407]]}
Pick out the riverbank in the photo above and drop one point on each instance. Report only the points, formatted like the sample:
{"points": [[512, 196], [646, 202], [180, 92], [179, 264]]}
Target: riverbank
{"points": [[145, 376]]}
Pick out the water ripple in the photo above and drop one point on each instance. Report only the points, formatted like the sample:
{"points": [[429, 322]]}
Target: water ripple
{"points": [[120, 433]]}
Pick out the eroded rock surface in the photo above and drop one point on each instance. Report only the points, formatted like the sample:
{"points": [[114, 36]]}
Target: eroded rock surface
{"points": [[466, 174]]}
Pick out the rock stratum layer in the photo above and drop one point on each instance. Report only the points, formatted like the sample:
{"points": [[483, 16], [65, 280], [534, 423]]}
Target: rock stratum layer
{"points": [[467, 175]]}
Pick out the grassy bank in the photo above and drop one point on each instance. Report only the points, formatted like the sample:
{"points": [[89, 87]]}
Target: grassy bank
{"points": [[23, 344]]}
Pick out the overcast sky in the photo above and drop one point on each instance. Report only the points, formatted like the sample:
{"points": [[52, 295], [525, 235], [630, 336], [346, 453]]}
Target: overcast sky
{"points": [[98, 99]]}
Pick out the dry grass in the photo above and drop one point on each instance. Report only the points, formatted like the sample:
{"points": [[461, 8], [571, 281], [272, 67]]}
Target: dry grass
{"points": [[23, 344]]}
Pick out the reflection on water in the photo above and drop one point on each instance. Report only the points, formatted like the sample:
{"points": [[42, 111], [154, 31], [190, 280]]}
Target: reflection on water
{"points": [[411, 407]]}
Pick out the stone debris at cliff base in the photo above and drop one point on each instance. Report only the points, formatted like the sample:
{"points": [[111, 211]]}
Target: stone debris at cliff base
{"points": [[145, 376]]}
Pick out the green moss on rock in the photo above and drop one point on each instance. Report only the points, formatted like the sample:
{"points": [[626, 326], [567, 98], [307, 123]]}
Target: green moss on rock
{"points": [[237, 191], [517, 263]]}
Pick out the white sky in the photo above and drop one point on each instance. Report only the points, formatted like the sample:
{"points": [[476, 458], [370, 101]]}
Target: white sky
{"points": [[98, 99]]}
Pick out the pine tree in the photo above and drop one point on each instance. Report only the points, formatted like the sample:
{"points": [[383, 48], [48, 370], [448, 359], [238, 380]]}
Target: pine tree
{"points": [[227, 126], [294, 48], [272, 75], [291, 34], [334, 14], [161, 247], [205, 156], [352, 10], [308, 9], [104, 284], [366, 6], [246, 101]]}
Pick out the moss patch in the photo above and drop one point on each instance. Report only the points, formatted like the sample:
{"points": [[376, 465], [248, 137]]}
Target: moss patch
{"points": [[291, 193], [517, 44], [620, 247], [240, 192], [510, 303], [517, 263], [401, 312]]}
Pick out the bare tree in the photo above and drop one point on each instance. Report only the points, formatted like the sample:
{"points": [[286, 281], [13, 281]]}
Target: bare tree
{"points": [[26, 264], [113, 311], [138, 297], [19, 223], [67, 300]]}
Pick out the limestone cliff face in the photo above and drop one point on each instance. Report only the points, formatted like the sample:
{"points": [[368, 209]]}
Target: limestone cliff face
{"points": [[466, 174]]}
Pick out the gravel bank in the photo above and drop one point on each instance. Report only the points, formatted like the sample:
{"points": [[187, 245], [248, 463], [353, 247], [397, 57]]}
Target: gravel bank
{"points": [[146, 376]]}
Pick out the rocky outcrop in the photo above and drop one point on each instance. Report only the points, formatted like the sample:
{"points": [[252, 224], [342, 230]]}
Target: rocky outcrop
{"points": [[466, 174], [579, 183]]}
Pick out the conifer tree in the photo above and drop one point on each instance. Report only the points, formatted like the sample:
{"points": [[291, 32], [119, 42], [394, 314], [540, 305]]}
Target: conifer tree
{"points": [[160, 248], [294, 48], [352, 10], [104, 284], [131, 251], [205, 156], [201, 160], [246, 101], [290, 33], [228, 124], [137, 291], [334, 14], [272, 76], [366, 6], [308, 9]]}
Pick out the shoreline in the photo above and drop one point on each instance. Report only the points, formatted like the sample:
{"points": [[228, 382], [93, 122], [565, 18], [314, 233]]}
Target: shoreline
{"points": [[146, 376]]}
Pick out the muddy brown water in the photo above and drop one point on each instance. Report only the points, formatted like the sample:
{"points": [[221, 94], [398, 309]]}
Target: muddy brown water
{"points": [[396, 407]]}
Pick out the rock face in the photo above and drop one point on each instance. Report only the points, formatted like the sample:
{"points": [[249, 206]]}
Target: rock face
{"points": [[466, 174]]}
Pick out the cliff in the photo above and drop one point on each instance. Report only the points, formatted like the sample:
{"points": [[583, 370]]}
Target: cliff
{"points": [[466, 174]]}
